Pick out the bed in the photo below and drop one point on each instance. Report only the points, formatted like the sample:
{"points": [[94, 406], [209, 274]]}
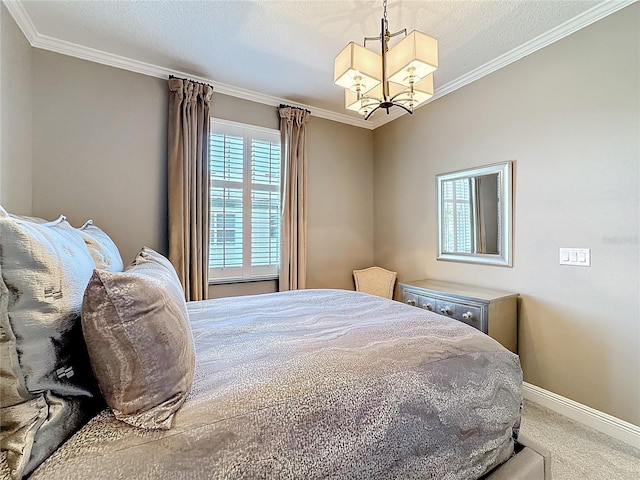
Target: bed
{"points": [[310, 384]]}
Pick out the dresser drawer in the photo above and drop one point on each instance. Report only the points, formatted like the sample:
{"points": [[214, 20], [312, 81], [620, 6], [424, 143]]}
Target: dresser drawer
{"points": [[445, 308], [427, 303], [417, 300], [471, 315], [410, 298]]}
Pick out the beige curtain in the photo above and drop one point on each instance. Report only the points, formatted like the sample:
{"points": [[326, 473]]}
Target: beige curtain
{"points": [[293, 251], [188, 182], [481, 235]]}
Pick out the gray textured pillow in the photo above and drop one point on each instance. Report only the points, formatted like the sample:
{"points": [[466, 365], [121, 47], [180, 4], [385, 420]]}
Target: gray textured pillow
{"points": [[47, 389], [104, 252], [137, 331]]}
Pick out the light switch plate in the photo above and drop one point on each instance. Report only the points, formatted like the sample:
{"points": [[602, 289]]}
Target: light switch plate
{"points": [[575, 256]]}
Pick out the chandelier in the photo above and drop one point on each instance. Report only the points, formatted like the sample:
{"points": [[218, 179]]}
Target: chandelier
{"points": [[400, 77]]}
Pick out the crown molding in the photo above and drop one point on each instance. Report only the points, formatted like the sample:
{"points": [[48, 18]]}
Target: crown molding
{"points": [[23, 20], [45, 42]]}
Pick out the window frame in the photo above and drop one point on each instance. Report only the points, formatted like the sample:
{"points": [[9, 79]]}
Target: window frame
{"points": [[246, 272]]}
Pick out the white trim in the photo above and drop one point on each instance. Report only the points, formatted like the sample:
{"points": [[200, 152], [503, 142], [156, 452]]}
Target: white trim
{"points": [[600, 421], [243, 126], [74, 50], [23, 20]]}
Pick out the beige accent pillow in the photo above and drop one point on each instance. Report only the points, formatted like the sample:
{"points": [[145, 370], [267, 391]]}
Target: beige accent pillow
{"points": [[136, 327]]}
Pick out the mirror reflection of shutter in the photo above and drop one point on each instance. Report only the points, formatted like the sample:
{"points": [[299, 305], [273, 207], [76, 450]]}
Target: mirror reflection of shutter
{"points": [[448, 233], [457, 201]]}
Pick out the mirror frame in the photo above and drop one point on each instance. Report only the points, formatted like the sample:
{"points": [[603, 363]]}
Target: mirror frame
{"points": [[505, 173]]}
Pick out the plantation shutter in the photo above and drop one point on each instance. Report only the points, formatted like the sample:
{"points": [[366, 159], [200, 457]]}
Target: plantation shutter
{"points": [[245, 202]]}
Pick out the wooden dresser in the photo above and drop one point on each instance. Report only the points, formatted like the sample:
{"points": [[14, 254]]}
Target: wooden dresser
{"points": [[493, 312]]}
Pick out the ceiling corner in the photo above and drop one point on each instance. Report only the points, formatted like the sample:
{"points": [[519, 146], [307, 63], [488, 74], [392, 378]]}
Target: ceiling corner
{"points": [[20, 16]]}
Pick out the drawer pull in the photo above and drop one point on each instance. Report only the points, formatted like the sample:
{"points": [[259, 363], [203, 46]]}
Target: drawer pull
{"points": [[411, 302], [427, 306], [446, 310], [467, 316]]}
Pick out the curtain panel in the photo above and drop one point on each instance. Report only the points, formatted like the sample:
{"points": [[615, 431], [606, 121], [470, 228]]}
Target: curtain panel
{"points": [[293, 251], [188, 184], [480, 222]]}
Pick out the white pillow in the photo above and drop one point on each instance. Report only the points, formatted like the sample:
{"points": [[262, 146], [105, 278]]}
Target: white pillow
{"points": [[105, 253]]}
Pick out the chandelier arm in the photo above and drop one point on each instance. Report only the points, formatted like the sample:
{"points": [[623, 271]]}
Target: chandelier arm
{"points": [[371, 113], [392, 99], [367, 39], [387, 106], [406, 109], [404, 30]]}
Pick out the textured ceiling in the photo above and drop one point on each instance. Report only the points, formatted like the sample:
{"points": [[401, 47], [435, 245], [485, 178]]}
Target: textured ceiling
{"points": [[286, 49]]}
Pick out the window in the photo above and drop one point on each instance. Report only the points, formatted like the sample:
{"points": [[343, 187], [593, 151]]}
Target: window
{"points": [[245, 202]]}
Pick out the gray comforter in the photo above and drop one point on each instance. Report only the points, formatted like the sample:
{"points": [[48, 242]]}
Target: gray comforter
{"points": [[319, 384]]}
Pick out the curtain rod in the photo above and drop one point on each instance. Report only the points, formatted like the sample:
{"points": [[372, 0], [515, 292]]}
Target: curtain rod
{"points": [[189, 80], [282, 105]]}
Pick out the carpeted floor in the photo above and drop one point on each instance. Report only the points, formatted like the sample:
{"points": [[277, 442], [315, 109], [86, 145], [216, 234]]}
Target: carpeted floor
{"points": [[579, 452]]}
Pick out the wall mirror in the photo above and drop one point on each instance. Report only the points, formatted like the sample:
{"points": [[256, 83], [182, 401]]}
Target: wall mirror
{"points": [[475, 209]]}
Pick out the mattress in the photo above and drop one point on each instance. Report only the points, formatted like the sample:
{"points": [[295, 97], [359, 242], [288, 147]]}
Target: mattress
{"points": [[319, 384]]}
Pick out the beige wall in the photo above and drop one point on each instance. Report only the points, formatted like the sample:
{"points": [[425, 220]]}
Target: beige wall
{"points": [[569, 117], [99, 151], [15, 117], [340, 199]]}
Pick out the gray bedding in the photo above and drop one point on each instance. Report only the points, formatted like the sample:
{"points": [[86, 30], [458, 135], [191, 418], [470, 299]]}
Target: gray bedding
{"points": [[319, 384]]}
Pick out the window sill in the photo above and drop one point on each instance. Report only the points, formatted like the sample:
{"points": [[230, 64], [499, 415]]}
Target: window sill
{"points": [[222, 281]]}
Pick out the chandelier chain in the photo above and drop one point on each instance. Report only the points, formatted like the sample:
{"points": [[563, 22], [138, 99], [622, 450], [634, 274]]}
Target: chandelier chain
{"points": [[384, 6]]}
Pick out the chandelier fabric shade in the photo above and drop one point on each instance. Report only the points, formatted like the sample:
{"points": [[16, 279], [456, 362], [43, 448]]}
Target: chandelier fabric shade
{"points": [[357, 66], [420, 93], [415, 55], [401, 76]]}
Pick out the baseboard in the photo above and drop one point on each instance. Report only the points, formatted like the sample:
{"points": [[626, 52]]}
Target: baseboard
{"points": [[602, 422]]}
